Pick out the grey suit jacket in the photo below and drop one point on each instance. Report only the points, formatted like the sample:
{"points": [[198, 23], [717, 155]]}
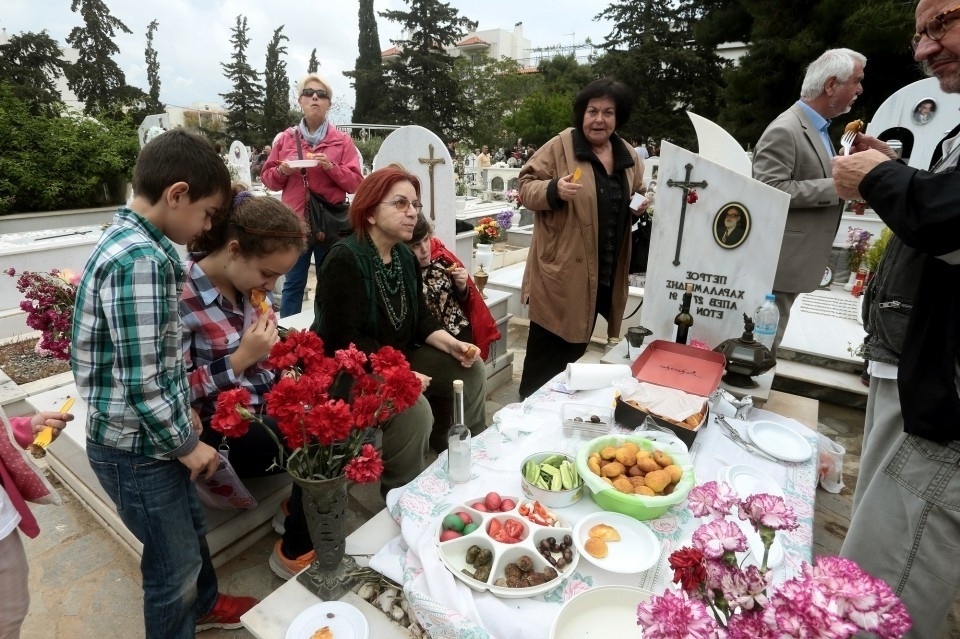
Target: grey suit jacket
{"points": [[791, 157]]}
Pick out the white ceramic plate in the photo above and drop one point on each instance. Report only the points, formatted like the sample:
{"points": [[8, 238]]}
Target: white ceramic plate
{"points": [[604, 611], [302, 164], [779, 441], [747, 480], [637, 550], [344, 621]]}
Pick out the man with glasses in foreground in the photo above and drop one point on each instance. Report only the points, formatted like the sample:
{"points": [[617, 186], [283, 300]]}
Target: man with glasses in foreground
{"points": [[905, 523], [793, 155]]}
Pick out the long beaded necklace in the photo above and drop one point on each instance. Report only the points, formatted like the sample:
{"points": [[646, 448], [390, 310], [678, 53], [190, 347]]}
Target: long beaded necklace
{"points": [[390, 282]]}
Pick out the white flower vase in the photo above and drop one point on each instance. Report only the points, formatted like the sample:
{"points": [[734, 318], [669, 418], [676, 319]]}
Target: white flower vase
{"points": [[515, 219], [483, 257], [851, 282], [460, 203]]}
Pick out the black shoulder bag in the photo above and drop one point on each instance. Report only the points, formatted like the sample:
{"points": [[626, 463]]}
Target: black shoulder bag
{"points": [[327, 222]]}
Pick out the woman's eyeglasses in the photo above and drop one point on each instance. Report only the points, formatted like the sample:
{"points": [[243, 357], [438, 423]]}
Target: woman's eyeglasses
{"points": [[309, 93], [936, 28], [403, 205]]}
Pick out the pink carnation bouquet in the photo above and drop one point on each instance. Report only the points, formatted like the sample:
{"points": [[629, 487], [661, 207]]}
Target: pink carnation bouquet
{"points": [[718, 598]]}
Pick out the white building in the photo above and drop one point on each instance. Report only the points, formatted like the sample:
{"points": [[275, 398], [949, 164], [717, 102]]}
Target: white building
{"points": [[494, 43]]}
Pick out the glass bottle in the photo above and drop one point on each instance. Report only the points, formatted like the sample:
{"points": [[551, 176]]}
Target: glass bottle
{"points": [[458, 440], [684, 320]]}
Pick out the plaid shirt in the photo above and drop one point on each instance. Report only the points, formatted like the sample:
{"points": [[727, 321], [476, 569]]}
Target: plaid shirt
{"points": [[126, 342], [212, 328]]}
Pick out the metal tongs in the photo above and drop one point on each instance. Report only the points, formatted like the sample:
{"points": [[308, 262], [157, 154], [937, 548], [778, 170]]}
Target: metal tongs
{"points": [[738, 439]]}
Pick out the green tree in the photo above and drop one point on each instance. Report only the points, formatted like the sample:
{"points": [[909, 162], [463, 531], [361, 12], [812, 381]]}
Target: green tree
{"points": [[96, 79], [651, 49], [368, 74], [29, 66], [154, 105], [786, 35], [91, 161], [245, 101], [541, 116], [492, 90], [276, 86], [420, 87], [563, 74], [313, 64]]}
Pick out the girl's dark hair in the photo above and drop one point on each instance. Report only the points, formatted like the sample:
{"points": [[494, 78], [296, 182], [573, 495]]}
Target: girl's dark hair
{"points": [[604, 88], [260, 224], [421, 230]]}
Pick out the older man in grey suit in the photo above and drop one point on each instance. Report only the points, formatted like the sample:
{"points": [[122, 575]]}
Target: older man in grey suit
{"points": [[793, 155]]}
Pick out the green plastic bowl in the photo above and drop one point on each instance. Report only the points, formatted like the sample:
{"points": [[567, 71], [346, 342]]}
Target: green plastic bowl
{"points": [[637, 506]]}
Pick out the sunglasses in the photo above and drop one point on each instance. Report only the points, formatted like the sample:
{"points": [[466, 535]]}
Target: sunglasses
{"points": [[309, 93]]}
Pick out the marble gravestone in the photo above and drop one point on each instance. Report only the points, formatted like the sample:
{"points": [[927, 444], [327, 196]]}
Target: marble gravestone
{"points": [[238, 161], [717, 145], [918, 115], [421, 152], [730, 272]]}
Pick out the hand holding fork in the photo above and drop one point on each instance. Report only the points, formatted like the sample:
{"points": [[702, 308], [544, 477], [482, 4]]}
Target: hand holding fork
{"points": [[847, 141]]}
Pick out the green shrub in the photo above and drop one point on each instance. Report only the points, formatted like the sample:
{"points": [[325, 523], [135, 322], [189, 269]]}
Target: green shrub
{"points": [[368, 148], [61, 161]]}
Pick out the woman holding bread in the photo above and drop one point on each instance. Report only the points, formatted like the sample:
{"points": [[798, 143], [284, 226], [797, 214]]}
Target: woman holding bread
{"points": [[371, 295]]}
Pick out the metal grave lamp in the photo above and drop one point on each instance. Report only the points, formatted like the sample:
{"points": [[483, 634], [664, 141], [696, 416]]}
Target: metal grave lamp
{"points": [[746, 357]]}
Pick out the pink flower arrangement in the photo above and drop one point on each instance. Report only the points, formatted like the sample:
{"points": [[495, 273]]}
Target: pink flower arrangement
{"points": [[48, 302], [325, 407], [858, 241], [718, 599]]}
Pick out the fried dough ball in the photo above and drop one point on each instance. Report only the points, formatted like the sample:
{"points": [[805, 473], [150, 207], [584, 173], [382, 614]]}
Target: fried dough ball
{"points": [[647, 464], [613, 469], [594, 464], [663, 460], [608, 453], [675, 473], [626, 456], [669, 489], [604, 532], [643, 453], [657, 480], [630, 446], [608, 480], [644, 490], [623, 484], [636, 480], [634, 471]]}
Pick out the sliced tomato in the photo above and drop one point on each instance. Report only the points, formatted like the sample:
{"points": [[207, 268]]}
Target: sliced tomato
{"points": [[524, 509], [513, 528], [540, 510], [494, 528]]}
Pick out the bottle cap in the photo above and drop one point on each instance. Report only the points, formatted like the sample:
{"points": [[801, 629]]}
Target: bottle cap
{"points": [[770, 296], [458, 384]]}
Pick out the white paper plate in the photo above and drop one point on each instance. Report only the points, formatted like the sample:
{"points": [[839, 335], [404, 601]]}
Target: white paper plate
{"points": [[345, 621], [779, 441], [747, 480], [302, 164], [637, 550], [604, 611]]}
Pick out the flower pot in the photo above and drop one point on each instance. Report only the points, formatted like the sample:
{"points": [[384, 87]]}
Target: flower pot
{"points": [[483, 258], [460, 203], [325, 508]]}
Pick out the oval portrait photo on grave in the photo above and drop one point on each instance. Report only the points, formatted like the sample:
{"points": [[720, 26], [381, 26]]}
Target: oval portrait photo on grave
{"points": [[925, 111], [731, 226]]}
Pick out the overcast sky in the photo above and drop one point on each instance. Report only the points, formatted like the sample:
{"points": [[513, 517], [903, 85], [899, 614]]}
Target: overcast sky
{"points": [[194, 35]]}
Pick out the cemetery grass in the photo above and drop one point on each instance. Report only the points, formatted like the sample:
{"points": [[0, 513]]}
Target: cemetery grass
{"points": [[22, 364]]}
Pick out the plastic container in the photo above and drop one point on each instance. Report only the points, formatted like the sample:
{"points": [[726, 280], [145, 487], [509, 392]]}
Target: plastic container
{"points": [[637, 506], [765, 322], [550, 498]]}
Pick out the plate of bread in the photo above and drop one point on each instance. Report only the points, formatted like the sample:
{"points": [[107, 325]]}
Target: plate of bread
{"points": [[616, 542]]}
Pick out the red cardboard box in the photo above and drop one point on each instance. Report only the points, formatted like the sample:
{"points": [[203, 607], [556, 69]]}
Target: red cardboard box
{"points": [[692, 370]]}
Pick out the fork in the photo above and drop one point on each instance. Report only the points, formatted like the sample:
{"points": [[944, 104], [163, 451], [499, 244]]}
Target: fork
{"points": [[738, 439], [847, 141]]}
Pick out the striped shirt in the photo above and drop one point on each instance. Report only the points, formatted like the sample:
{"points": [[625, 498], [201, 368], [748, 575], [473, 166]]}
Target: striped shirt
{"points": [[125, 354], [212, 328]]}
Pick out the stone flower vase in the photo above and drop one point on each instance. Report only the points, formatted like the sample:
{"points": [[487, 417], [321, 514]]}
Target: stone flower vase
{"points": [[325, 506]]}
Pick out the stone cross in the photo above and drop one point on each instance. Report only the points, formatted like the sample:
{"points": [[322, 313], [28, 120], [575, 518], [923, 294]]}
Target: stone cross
{"points": [[686, 185], [431, 162]]}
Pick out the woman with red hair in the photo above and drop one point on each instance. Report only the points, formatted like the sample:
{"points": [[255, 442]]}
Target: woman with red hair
{"points": [[371, 294]]}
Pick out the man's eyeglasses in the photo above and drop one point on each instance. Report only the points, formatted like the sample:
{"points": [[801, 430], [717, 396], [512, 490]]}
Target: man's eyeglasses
{"points": [[403, 205], [732, 214], [309, 93], [936, 28]]}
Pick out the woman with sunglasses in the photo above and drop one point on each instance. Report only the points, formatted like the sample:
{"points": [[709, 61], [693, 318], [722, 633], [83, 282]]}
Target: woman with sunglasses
{"points": [[336, 174], [371, 295]]}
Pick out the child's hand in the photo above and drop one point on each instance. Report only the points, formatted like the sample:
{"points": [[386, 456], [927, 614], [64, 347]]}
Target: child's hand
{"points": [[255, 344], [202, 460], [459, 276], [56, 421]]}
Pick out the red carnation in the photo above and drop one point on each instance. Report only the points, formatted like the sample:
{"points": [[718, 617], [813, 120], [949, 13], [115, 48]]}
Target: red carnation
{"points": [[232, 417], [366, 468], [689, 569]]}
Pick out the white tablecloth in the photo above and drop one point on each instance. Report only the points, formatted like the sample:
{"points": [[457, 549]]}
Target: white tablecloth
{"points": [[447, 607]]}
